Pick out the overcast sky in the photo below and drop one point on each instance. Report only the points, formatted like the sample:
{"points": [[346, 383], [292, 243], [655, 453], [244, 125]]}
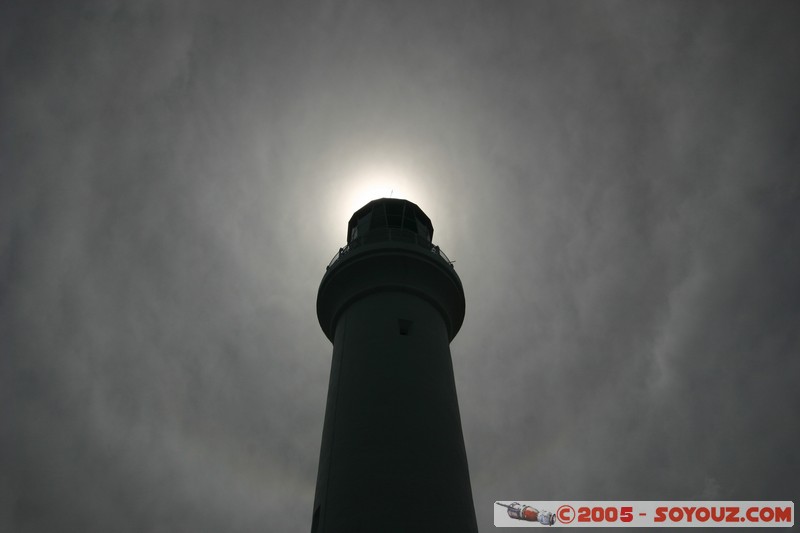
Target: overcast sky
{"points": [[616, 181]]}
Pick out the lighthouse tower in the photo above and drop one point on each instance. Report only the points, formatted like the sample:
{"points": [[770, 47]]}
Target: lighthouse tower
{"points": [[392, 456]]}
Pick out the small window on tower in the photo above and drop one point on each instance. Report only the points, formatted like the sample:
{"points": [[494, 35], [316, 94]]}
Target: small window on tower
{"points": [[423, 230], [378, 217], [363, 224], [404, 326], [409, 222], [394, 215]]}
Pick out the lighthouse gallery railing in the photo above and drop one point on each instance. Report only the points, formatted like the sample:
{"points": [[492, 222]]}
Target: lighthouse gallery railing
{"points": [[390, 234]]}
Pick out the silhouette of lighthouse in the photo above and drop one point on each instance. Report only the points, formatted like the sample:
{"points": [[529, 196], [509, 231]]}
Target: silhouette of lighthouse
{"points": [[392, 455]]}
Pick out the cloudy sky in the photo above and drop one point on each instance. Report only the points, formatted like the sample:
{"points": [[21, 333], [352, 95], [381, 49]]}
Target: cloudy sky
{"points": [[616, 181]]}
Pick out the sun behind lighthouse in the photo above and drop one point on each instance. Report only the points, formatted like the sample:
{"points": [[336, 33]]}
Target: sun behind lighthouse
{"points": [[362, 180], [380, 181]]}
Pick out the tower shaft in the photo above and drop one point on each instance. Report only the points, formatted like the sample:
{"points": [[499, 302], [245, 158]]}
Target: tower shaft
{"points": [[392, 455]]}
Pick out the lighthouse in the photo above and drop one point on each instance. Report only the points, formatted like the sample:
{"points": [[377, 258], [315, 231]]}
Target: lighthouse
{"points": [[392, 457]]}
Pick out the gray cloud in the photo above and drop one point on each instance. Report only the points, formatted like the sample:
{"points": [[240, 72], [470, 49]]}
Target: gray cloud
{"points": [[616, 181]]}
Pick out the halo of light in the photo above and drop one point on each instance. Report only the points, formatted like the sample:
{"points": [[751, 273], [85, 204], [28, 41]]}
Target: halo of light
{"points": [[359, 180], [370, 181], [379, 181]]}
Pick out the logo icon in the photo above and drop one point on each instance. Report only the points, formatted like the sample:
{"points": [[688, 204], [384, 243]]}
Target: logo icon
{"points": [[529, 514], [565, 514]]}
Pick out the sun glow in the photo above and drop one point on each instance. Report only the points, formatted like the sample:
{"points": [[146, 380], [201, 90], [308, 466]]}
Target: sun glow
{"points": [[378, 181], [353, 182], [369, 181]]}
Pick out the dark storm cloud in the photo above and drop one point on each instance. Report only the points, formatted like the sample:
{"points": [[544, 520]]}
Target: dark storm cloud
{"points": [[621, 182]]}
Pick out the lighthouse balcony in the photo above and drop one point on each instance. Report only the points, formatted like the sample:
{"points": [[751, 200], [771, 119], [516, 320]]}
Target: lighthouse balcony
{"points": [[384, 235]]}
